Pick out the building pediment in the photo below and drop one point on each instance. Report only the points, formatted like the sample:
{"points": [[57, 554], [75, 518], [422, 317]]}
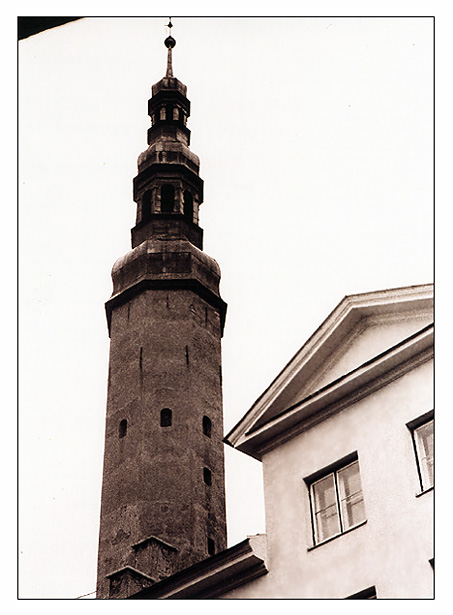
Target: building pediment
{"points": [[364, 335]]}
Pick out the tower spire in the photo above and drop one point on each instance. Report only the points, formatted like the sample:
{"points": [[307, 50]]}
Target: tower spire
{"points": [[169, 43]]}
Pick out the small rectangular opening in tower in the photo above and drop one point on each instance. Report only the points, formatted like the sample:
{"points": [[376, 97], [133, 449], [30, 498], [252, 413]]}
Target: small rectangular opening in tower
{"points": [[207, 476]]}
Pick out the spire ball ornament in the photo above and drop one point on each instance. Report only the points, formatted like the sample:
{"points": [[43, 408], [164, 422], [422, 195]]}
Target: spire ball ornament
{"points": [[169, 42]]}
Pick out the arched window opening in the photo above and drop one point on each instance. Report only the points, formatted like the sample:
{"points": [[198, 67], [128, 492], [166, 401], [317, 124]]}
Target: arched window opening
{"points": [[122, 431], [207, 426], [188, 205], [211, 546], [146, 206], [162, 113], [165, 417], [175, 113], [182, 116], [167, 195], [207, 476]]}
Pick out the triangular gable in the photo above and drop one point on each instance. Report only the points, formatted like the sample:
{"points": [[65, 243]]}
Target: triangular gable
{"points": [[361, 327]]}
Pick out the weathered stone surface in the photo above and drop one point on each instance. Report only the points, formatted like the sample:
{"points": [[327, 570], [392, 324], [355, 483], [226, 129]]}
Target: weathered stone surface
{"points": [[127, 581], [165, 353]]}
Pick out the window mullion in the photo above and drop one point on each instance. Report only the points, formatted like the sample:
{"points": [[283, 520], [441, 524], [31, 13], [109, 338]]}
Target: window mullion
{"points": [[337, 493]]}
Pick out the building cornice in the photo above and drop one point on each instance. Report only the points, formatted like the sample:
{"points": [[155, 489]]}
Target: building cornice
{"points": [[215, 575]]}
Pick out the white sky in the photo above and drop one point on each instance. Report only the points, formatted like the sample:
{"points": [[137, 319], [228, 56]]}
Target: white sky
{"points": [[315, 139]]}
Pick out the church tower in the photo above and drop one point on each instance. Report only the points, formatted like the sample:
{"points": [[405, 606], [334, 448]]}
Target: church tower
{"points": [[163, 493]]}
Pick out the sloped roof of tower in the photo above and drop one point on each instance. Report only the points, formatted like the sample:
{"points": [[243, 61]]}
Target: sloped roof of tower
{"points": [[363, 338]]}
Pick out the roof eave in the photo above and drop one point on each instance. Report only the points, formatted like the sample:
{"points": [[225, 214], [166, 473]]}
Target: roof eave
{"points": [[334, 397], [347, 314], [215, 575]]}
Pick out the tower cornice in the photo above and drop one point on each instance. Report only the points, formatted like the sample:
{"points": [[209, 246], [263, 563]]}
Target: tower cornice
{"points": [[183, 283]]}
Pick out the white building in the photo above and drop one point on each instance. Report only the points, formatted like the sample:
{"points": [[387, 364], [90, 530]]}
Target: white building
{"points": [[345, 436]]}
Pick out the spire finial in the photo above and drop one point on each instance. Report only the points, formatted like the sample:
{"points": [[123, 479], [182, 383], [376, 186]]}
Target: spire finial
{"points": [[169, 43]]}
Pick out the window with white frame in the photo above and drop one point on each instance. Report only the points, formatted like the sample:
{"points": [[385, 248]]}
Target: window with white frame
{"points": [[337, 502], [424, 448]]}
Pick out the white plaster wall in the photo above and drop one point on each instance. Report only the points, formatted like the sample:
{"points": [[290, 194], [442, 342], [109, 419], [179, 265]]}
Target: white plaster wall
{"points": [[391, 551]]}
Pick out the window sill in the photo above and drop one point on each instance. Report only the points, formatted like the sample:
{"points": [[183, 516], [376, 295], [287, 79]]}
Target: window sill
{"points": [[417, 495], [319, 544]]}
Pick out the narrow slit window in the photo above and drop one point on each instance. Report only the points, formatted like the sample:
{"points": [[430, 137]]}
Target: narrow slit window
{"points": [[211, 546], [207, 476], [122, 430], [165, 417], [207, 426]]}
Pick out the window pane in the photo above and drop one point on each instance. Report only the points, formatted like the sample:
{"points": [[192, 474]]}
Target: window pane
{"points": [[425, 451], [325, 509], [351, 497]]}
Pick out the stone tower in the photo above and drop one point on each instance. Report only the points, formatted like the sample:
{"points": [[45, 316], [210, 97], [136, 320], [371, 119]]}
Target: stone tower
{"points": [[163, 493]]}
